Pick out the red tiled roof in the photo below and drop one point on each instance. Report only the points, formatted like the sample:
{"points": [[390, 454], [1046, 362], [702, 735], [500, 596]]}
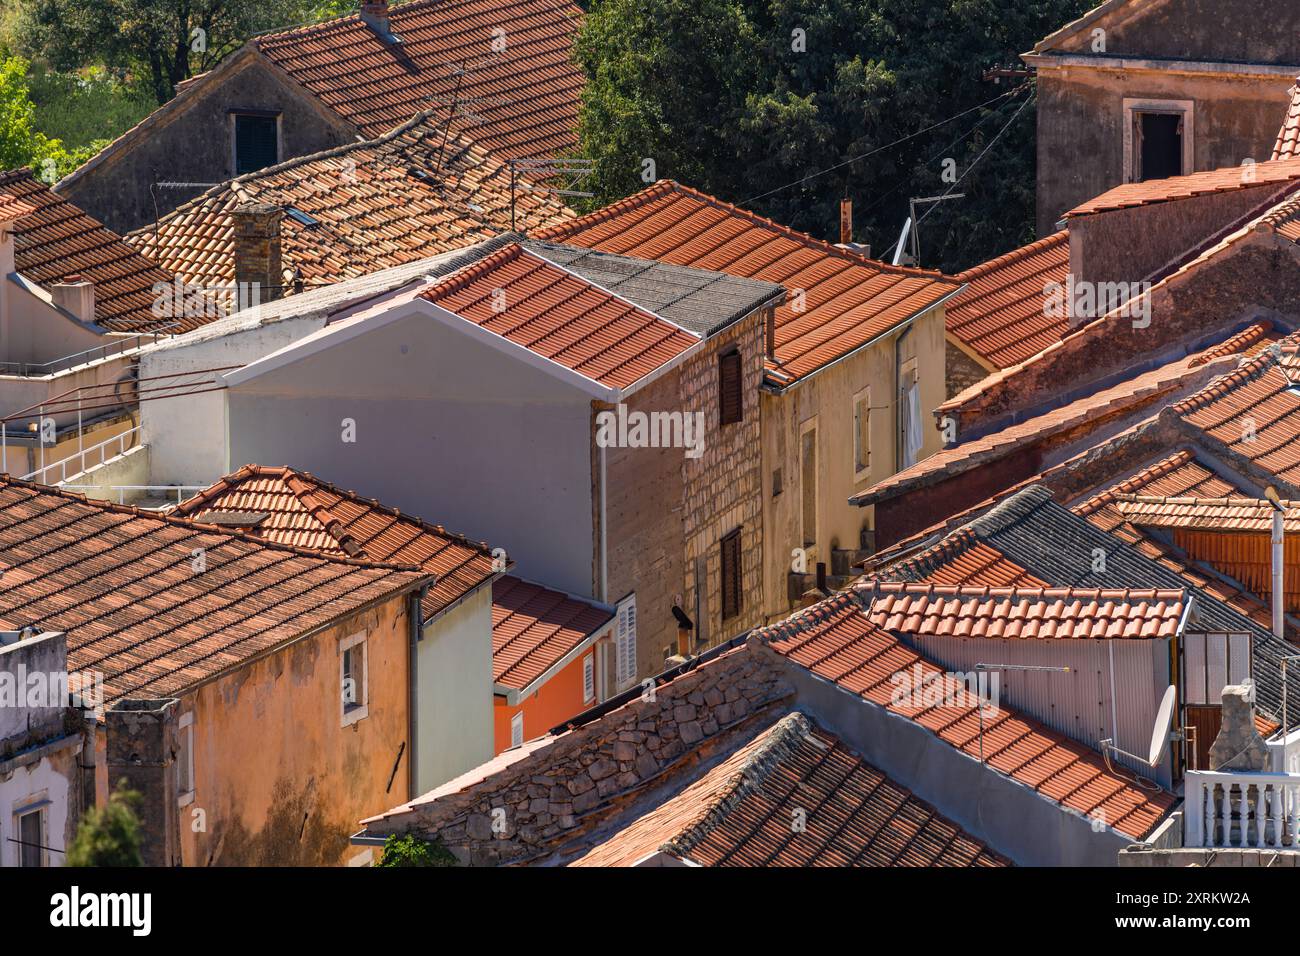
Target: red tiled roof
{"points": [[558, 315], [534, 628], [966, 560], [525, 97], [837, 641], [1195, 184], [848, 300], [11, 208], [1288, 137], [738, 813], [1024, 613], [1179, 474], [122, 583], [1255, 412], [372, 212], [55, 240], [1206, 514], [1086, 413], [295, 508], [1001, 316]]}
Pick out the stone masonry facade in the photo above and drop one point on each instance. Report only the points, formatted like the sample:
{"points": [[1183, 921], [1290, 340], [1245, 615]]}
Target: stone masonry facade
{"points": [[568, 786]]}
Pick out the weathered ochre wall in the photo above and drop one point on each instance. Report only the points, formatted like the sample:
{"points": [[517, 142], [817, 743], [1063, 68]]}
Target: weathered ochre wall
{"points": [[278, 780], [828, 397]]}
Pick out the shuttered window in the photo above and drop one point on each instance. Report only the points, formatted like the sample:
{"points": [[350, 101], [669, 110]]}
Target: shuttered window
{"points": [[256, 142], [517, 729], [625, 642], [588, 679], [730, 389], [731, 575]]}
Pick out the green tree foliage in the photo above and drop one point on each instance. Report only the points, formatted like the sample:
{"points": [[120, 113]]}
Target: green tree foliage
{"points": [[161, 41], [109, 835], [410, 850], [740, 97], [21, 143]]}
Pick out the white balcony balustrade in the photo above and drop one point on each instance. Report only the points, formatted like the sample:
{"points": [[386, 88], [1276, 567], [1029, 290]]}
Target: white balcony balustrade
{"points": [[1241, 810]]}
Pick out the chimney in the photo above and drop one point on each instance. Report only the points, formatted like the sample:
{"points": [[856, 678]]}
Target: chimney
{"points": [[375, 15], [257, 252], [1239, 745], [846, 221], [76, 294]]}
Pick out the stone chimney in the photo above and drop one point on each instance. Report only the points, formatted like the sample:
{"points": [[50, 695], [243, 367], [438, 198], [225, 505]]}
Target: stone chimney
{"points": [[258, 271], [375, 15], [75, 294], [141, 749], [1239, 745]]}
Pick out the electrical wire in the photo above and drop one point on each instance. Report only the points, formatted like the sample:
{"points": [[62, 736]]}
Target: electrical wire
{"points": [[879, 149]]}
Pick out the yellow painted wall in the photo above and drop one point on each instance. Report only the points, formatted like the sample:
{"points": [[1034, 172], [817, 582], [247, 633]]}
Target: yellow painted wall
{"points": [[278, 780], [828, 397]]}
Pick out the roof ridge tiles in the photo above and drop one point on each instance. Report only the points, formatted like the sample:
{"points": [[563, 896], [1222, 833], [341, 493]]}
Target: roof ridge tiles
{"points": [[1023, 252], [181, 521], [1249, 369], [782, 742], [285, 471]]}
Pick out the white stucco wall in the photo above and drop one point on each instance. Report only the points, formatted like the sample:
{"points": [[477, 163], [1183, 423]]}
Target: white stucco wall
{"points": [[454, 697], [47, 782], [447, 426]]}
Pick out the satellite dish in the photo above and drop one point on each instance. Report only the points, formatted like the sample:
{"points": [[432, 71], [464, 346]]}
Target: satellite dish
{"points": [[1164, 721]]}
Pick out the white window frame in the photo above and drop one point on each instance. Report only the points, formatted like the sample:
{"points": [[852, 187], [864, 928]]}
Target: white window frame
{"points": [[1138, 105], [861, 472], [589, 678], [361, 709], [625, 660], [517, 729], [185, 783], [904, 416]]}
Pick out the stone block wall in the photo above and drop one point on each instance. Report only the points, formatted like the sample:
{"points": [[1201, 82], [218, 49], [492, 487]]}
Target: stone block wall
{"points": [[562, 789]]}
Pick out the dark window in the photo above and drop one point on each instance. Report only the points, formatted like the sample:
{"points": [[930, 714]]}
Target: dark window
{"points": [[29, 832], [730, 389], [731, 575], [256, 142], [1160, 145]]}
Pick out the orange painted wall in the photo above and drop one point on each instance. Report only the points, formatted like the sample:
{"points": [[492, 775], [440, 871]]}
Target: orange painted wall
{"points": [[555, 702], [278, 779]]}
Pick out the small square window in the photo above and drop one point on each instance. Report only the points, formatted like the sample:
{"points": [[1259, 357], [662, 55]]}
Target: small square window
{"points": [[257, 142]]}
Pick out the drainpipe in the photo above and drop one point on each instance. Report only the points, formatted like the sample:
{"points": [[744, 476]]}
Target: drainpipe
{"points": [[1279, 561], [412, 707]]}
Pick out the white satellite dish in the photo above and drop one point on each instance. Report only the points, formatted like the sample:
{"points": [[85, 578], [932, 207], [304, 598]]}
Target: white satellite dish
{"points": [[1164, 721]]}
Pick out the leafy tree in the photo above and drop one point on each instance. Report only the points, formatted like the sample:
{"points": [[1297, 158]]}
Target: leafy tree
{"points": [[109, 836], [742, 98], [21, 144], [163, 41], [410, 850]]}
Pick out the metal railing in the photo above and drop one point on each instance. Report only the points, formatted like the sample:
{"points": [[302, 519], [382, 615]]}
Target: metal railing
{"points": [[41, 474], [182, 491], [98, 353], [1226, 809]]}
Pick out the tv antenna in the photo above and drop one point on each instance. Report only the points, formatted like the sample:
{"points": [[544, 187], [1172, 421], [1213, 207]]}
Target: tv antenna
{"points": [[911, 229]]}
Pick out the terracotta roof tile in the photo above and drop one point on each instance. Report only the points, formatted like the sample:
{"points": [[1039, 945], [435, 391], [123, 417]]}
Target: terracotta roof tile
{"points": [[738, 812], [524, 99], [372, 211], [55, 240], [1288, 137], [123, 585], [1140, 391], [1024, 613], [534, 628], [1195, 184], [560, 316], [1001, 316], [837, 640], [1205, 514], [296, 508], [847, 300]]}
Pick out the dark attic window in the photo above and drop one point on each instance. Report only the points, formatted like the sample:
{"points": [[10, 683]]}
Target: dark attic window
{"points": [[257, 142]]}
